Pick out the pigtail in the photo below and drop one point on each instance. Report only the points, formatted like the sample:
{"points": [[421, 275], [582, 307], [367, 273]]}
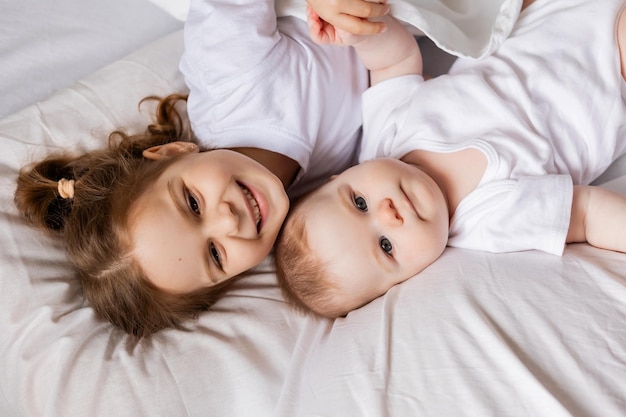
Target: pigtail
{"points": [[37, 194]]}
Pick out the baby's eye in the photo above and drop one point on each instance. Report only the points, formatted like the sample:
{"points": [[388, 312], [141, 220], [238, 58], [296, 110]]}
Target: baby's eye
{"points": [[360, 203], [386, 245], [215, 256], [192, 202]]}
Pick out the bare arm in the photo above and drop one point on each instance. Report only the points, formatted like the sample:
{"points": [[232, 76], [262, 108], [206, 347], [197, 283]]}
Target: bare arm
{"points": [[390, 54], [598, 217]]}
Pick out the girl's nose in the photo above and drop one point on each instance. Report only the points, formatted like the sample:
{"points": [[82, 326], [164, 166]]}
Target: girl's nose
{"points": [[225, 220], [389, 214]]}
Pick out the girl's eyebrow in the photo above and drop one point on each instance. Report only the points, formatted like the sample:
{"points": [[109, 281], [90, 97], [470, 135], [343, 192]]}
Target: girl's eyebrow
{"points": [[182, 210], [179, 206]]}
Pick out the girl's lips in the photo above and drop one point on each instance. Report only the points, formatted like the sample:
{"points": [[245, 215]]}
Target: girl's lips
{"points": [[261, 204]]}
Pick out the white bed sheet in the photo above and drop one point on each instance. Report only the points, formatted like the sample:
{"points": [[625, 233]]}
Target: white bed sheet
{"points": [[477, 334]]}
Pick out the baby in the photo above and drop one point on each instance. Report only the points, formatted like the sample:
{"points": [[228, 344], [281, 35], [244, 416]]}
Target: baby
{"points": [[496, 155]]}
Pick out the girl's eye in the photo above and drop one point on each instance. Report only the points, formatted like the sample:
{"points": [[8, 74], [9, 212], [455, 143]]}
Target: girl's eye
{"points": [[386, 245], [360, 203], [192, 203], [215, 256]]}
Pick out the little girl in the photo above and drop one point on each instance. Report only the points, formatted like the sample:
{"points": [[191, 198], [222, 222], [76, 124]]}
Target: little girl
{"points": [[156, 225]]}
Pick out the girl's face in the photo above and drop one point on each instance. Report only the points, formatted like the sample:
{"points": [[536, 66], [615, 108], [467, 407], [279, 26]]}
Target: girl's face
{"points": [[208, 217]]}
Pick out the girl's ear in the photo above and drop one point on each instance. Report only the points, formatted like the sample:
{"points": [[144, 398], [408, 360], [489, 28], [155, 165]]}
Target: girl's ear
{"points": [[168, 150]]}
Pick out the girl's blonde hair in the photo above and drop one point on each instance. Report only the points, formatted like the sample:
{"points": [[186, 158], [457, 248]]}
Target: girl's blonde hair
{"points": [[94, 223]]}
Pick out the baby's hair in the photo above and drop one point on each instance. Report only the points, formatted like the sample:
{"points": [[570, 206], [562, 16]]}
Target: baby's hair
{"points": [[94, 222], [302, 276]]}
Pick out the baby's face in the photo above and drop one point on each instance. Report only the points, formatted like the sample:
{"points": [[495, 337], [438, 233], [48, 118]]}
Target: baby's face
{"points": [[376, 225]]}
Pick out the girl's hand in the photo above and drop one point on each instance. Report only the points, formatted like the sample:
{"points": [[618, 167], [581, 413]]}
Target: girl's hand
{"points": [[351, 15], [325, 33]]}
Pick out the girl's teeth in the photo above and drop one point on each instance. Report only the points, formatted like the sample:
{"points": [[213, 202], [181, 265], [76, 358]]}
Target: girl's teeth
{"points": [[254, 204]]}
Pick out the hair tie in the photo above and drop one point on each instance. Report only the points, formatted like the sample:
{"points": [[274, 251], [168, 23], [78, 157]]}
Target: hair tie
{"points": [[65, 188]]}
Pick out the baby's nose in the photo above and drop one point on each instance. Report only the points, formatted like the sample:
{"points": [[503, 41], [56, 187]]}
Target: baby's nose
{"points": [[389, 213]]}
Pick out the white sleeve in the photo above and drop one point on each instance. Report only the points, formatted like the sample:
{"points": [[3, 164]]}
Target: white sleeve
{"points": [[258, 81], [515, 215], [255, 81], [385, 107], [232, 50], [225, 39]]}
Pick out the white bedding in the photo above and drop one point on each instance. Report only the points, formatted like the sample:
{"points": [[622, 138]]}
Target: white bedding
{"points": [[477, 334], [47, 45]]}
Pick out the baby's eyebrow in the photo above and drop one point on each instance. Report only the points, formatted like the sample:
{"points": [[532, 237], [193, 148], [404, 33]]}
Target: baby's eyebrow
{"points": [[384, 262], [345, 196]]}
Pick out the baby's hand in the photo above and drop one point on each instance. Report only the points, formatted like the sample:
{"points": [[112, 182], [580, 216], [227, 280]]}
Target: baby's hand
{"points": [[351, 15], [325, 33]]}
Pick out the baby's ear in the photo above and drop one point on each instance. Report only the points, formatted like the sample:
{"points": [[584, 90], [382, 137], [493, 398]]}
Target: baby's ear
{"points": [[168, 150]]}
